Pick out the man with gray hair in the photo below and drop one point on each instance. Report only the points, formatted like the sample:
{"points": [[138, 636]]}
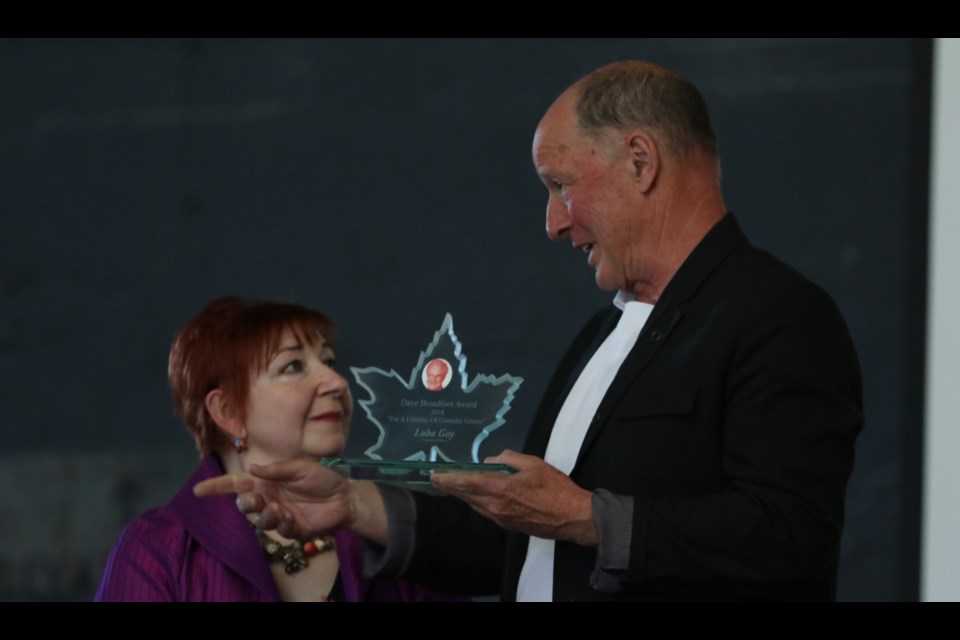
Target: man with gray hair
{"points": [[697, 437]]}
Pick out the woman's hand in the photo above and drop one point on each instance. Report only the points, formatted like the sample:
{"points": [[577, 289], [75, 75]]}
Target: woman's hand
{"points": [[302, 498]]}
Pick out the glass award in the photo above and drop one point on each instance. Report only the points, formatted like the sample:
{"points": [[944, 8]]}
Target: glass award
{"points": [[435, 418]]}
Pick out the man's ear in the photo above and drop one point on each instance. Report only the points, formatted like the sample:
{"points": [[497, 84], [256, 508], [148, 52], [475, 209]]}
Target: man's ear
{"points": [[644, 157], [223, 413]]}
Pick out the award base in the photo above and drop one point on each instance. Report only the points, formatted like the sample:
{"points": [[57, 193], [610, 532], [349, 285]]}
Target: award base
{"points": [[405, 471]]}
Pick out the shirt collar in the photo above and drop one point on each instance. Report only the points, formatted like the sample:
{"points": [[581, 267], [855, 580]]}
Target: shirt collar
{"points": [[622, 298]]}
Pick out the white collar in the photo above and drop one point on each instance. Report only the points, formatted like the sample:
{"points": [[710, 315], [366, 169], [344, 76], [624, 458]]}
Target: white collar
{"points": [[622, 298]]}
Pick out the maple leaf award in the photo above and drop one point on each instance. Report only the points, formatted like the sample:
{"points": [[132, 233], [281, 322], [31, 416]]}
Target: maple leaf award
{"points": [[437, 417]]}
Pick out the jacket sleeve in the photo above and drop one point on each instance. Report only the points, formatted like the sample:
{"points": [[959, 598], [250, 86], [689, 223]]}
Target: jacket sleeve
{"points": [[142, 566], [437, 545], [456, 550]]}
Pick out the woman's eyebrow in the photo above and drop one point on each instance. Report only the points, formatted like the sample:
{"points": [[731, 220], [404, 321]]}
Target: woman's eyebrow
{"points": [[282, 350]]}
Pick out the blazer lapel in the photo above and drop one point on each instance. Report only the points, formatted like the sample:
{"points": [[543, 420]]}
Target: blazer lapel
{"points": [[654, 334], [719, 242], [581, 350]]}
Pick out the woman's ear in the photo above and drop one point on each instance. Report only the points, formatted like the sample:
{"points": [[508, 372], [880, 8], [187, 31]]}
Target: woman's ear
{"points": [[222, 412]]}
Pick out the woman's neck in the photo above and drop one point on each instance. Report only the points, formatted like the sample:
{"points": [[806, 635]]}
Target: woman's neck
{"points": [[310, 584]]}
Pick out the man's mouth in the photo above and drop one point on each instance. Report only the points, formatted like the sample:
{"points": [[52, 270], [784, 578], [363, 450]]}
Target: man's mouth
{"points": [[586, 248]]}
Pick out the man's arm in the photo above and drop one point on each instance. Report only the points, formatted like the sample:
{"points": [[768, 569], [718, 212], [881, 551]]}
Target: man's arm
{"points": [[301, 498]]}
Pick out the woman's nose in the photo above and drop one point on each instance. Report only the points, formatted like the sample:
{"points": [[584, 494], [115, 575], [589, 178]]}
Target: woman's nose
{"points": [[331, 382]]}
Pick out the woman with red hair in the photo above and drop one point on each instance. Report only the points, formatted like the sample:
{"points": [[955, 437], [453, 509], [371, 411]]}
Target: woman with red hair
{"points": [[254, 383]]}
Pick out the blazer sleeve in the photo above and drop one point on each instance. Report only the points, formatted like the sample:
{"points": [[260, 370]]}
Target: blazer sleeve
{"points": [[456, 551]]}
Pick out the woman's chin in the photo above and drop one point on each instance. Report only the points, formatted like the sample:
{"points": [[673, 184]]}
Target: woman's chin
{"points": [[324, 447]]}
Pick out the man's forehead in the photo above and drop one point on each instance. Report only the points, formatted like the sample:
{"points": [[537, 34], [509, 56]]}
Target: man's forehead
{"points": [[557, 117], [549, 142], [558, 131]]}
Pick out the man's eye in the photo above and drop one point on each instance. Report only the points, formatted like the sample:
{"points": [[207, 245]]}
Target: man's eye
{"points": [[294, 366], [557, 184]]}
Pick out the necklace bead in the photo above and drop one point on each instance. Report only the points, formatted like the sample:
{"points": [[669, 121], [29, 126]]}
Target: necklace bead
{"points": [[295, 554]]}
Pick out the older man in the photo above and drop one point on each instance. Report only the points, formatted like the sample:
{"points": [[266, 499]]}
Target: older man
{"points": [[696, 439], [435, 374]]}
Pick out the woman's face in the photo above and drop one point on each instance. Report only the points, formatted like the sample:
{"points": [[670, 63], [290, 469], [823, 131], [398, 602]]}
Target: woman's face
{"points": [[298, 405]]}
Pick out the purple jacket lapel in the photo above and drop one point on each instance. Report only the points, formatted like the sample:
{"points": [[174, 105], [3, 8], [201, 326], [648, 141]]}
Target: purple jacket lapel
{"points": [[217, 525]]}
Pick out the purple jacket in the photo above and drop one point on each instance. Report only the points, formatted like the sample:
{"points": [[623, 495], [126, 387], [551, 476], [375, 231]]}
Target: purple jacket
{"points": [[203, 549]]}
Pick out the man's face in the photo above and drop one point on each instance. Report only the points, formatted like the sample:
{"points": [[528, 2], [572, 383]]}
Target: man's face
{"points": [[592, 197], [436, 373]]}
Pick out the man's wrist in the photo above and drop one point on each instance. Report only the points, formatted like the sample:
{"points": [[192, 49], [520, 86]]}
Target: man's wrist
{"points": [[366, 515], [582, 528]]}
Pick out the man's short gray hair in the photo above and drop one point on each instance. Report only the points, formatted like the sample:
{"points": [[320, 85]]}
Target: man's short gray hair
{"points": [[631, 94]]}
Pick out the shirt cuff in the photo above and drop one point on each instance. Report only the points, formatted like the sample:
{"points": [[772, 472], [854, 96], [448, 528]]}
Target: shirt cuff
{"points": [[613, 516], [392, 560]]}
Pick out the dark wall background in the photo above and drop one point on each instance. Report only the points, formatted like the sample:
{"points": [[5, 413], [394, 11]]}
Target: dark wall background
{"points": [[388, 182]]}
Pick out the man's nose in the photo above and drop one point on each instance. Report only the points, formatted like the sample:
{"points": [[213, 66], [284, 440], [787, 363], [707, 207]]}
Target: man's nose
{"points": [[558, 219]]}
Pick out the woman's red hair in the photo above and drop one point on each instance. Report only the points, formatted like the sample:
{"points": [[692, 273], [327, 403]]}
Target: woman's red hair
{"points": [[224, 347]]}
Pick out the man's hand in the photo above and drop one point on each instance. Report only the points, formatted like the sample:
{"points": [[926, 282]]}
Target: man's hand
{"points": [[302, 498], [538, 500]]}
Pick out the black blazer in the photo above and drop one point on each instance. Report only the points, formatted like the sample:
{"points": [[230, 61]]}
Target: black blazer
{"points": [[732, 425]]}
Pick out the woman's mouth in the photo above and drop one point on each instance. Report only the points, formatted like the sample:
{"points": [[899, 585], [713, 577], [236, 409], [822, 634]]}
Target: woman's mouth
{"points": [[328, 416]]}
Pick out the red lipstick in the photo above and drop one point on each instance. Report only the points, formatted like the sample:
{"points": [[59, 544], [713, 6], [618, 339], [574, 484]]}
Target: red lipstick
{"points": [[329, 416]]}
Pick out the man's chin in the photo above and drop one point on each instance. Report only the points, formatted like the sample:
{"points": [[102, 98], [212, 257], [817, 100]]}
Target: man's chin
{"points": [[606, 283]]}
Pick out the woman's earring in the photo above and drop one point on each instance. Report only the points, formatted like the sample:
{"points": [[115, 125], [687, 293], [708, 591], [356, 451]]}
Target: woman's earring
{"points": [[240, 444]]}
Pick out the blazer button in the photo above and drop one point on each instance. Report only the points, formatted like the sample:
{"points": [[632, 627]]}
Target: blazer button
{"points": [[655, 335]]}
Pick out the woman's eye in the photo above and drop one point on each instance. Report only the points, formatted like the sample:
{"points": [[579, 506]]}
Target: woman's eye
{"points": [[330, 362], [294, 366]]}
